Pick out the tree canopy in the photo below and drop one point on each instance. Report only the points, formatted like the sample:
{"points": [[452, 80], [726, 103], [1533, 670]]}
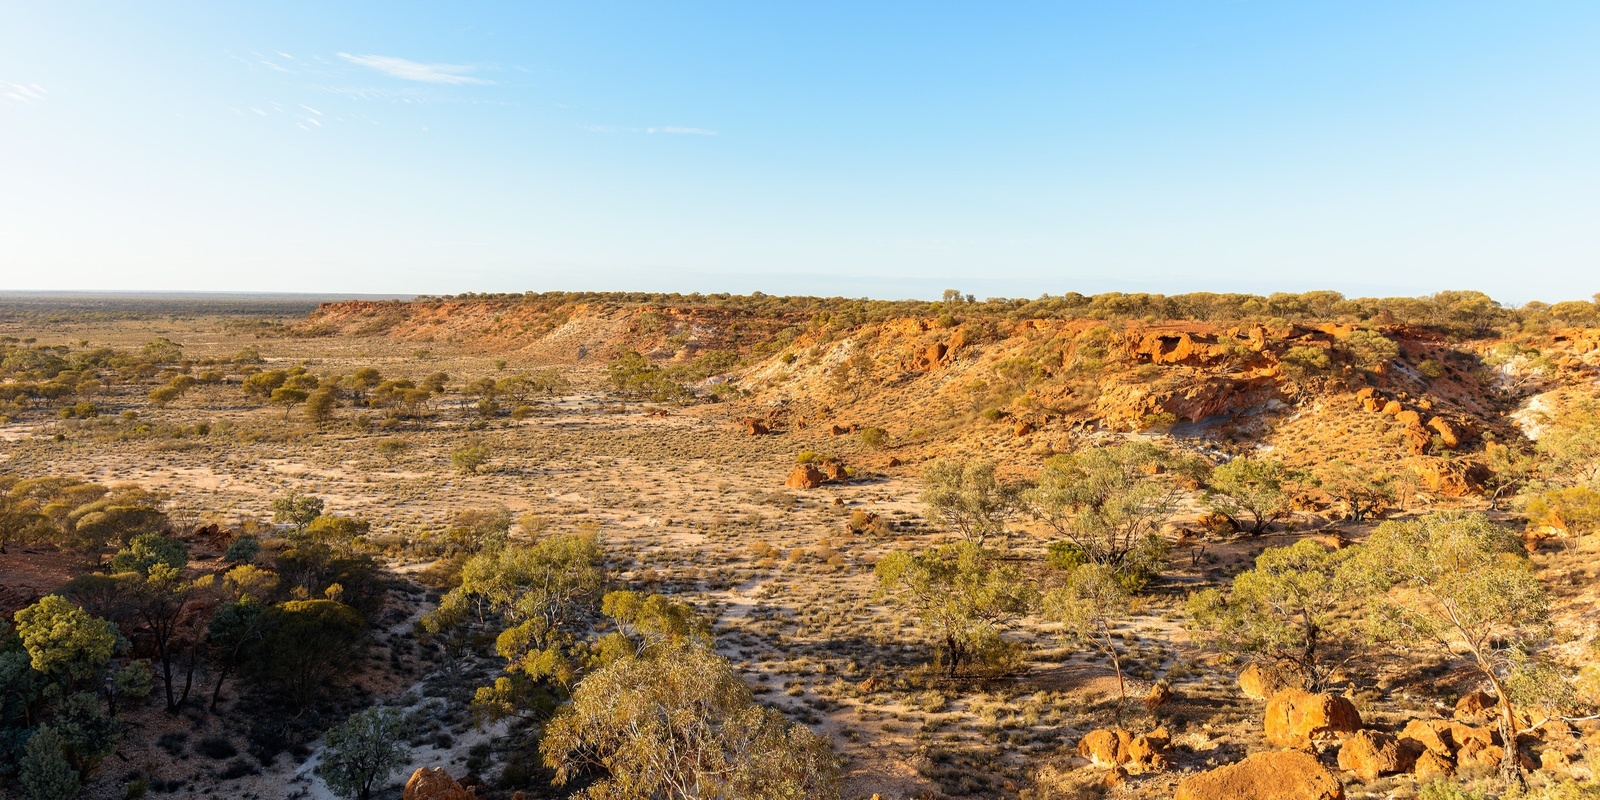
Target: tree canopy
{"points": [[964, 597], [681, 725]]}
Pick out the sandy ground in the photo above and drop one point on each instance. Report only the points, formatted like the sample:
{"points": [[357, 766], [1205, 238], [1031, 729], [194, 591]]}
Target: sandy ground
{"points": [[688, 504]]}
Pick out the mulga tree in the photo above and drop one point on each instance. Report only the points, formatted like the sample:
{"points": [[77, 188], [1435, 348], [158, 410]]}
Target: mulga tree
{"points": [[1285, 612], [1506, 469], [1371, 350], [679, 723], [964, 596], [70, 650], [297, 508], [66, 644], [1361, 489], [1092, 605], [1460, 583], [969, 499], [304, 645], [239, 621], [361, 753], [1109, 503], [45, 772], [647, 625], [1570, 445], [536, 598], [1250, 493]]}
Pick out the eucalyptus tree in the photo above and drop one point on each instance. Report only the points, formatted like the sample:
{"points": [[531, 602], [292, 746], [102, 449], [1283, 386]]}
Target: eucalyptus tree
{"points": [[1285, 612], [1109, 504], [1460, 583]]}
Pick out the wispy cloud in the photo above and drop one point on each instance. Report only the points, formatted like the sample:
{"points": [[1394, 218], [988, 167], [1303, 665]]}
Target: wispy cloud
{"points": [[673, 130], [24, 93], [451, 74]]}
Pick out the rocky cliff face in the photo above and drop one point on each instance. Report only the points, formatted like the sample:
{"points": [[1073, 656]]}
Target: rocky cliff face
{"points": [[998, 385]]}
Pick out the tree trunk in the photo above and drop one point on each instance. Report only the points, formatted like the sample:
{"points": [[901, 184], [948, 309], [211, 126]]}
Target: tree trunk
{"points": [[216, 693], [166, 674], [1510, 763], [1308, 654], [1122, 688], [953, 647], [188, 676]]}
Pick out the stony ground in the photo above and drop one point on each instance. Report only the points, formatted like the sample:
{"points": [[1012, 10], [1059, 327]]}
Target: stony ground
{"points": [[689, 504]]}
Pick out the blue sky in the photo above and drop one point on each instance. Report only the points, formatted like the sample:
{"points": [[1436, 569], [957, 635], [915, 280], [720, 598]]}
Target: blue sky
{"points": [[882, 149]]}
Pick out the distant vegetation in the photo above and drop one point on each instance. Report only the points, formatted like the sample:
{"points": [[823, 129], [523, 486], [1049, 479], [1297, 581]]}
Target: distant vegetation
{"points": [[1462, 312]]}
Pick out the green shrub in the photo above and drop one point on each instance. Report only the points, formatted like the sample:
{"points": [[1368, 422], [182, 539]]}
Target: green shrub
{"points": [[1065, 556], [1304, 359], [243, 549], [470, 459]]}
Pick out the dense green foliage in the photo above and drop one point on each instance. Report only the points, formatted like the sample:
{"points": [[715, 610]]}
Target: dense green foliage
{"points": [[1250, 493]]}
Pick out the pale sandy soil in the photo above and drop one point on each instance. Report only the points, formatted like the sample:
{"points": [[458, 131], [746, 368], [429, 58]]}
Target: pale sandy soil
{"points": [[687, 504]]}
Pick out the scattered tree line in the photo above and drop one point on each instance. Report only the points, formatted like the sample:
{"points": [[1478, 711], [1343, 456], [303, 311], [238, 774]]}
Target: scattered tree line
{"points": [[1455, 582]]}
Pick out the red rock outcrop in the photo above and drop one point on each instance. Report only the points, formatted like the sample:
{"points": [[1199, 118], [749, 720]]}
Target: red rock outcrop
{"points": [[1476, 707], [1430, 735], [1447, 432], [1259, 683], [1159, 695]]}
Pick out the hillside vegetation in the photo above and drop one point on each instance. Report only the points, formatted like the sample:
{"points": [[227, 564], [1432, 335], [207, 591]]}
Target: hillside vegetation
{"points": [[1198, 546]]}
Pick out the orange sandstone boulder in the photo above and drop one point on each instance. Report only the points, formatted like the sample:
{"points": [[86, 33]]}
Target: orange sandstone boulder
{"points": [[1120, 749], [1159, 695], [1432, 735], [1104, 747], [435, 784], [1283, 775], [1259, 682], [805, 476], [1297, 718], [1476, 707], [1447, 433], [1477, 758], [1464, 734], [1369, 754], [1431, 765], [931, 356]]}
